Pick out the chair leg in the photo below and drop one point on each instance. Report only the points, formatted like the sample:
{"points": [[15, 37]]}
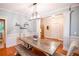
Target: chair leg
{"points": [[18, 54]]}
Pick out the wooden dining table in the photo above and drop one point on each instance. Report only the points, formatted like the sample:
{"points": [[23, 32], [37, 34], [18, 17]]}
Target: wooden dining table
{"points": [[44, 45]]}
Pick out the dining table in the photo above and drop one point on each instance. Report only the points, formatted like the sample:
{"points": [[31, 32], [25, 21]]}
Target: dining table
{"points": [[44, 45]]}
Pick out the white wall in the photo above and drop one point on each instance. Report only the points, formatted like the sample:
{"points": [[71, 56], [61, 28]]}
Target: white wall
{"points": [[12, 31], [55, 23], [75, 22]]}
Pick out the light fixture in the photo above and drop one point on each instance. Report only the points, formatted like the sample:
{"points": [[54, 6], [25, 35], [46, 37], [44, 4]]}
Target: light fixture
{"points": [[35, 14]]}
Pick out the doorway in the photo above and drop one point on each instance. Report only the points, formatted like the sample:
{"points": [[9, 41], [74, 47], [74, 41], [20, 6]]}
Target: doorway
{"points": [[2, 34], [52, 27]]}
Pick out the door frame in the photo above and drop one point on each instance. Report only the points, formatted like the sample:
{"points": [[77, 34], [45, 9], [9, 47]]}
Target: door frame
{"points": [[4, 34]]}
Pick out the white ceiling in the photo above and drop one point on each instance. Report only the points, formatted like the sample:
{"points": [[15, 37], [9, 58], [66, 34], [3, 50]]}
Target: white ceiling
{"points": [[43, 8]]}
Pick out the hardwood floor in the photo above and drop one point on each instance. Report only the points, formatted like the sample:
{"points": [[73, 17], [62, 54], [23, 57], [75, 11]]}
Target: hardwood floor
{"points": [[60, 50], [38, 52], [11, 51]]}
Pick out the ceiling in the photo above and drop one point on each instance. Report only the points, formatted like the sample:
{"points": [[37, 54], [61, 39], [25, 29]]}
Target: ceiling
{"points": [[43, 8]]}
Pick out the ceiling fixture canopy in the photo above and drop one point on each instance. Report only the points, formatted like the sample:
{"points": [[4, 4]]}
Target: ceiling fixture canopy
{"points": [[34, 3]]}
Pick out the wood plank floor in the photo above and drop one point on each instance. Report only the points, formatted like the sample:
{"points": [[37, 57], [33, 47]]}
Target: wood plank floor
{"points": [[11, 51]]}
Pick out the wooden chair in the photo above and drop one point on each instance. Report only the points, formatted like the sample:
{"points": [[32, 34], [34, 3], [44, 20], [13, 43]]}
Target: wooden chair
{"points": [[74, 46]]}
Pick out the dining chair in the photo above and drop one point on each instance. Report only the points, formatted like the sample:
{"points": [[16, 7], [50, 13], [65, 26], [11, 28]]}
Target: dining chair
{"points": [[73, 47]]}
